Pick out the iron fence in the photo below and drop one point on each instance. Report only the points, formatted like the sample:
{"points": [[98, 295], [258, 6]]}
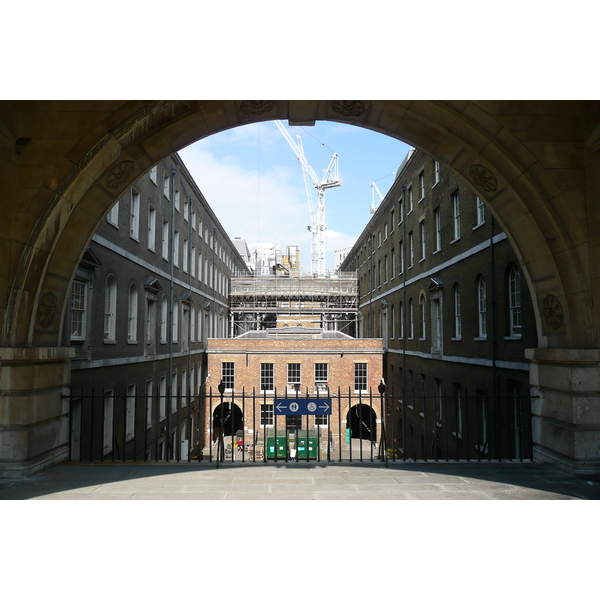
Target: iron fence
{"points": [[248, 427]]}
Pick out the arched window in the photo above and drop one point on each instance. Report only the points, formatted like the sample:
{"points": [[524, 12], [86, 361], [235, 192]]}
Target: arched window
{"points": [[514, 300], [132, 314], [481, 306], [423, 306], [457, 313], [164, 312], [110, 308]]}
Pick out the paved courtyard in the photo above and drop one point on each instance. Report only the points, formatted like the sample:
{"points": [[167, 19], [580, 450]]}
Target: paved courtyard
{"points": [[302, 481]]}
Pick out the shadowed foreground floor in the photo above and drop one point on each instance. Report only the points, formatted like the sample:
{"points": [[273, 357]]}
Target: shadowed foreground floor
{"points": [[301, 481]]}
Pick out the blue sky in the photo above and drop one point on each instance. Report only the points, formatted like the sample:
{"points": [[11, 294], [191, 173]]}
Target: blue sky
{"points": [[254, 182]]}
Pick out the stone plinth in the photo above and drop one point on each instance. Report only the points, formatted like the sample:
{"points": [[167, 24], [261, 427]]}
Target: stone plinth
{"points": [[566, 408], [34, 409]]}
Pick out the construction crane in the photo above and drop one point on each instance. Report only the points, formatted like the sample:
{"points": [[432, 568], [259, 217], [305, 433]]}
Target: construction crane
{"points": [[329, 180], [374, 189]]}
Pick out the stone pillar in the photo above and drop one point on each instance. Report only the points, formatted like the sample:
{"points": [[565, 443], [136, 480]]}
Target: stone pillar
{"points": [[34, 409], [566, 408]]}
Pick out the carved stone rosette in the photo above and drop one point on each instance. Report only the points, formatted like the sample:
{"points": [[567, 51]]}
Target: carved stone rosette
{"points": [[119, 174], [552, 311], [256, 107], [348, 108], [483, 177], [46, 311]]}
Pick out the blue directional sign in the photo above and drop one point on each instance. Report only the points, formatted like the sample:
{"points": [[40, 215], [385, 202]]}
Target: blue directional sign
{"points": [[302, 406]]}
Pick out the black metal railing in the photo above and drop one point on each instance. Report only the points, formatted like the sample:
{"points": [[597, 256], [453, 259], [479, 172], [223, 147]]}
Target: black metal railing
{"points": [[248, 427]]}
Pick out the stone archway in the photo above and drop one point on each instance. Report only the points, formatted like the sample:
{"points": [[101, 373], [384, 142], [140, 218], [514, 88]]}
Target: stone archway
{"points": [[533, 163]]}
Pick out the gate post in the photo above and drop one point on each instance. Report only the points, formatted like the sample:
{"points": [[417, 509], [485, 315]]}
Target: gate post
{"points": [[566, 408], [34, 409]]}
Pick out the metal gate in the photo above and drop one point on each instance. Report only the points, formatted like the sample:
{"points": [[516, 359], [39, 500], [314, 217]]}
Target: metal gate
{"points": [[224, 427]]}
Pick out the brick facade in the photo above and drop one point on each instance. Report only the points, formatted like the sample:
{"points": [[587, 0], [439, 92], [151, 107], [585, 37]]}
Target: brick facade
{"points": [[340, 354]]}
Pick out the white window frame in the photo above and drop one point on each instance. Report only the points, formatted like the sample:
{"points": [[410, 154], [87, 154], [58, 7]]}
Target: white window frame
{"points": [[165, 240], [422, 185], [423, 307], [361, 380], [436, 173], [132, 314], [228, 375], [107, 433], [134, 215], [110, 309], [149, 395], [482, 308], [164, 319], [294, 375], [151, 228], [267, 381], [113, 215], [267, 415], [153, 174], [457, 313], [185, 255], [437, 217], [456, 215], [130, 412], [514, 301], [175, 326], [480, 211], [423, 240], [162, 398], [79, 298], [176, 249]]}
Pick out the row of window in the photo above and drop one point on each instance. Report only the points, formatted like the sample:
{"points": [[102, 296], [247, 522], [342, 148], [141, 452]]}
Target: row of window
{"points": [[187, 312], [294, 376], [514, 312], [134, 233], [133, 395], [380, 273]]}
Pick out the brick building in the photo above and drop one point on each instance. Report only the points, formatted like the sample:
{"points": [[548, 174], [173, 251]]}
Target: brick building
{"points": [[150, 290], [439, 282], [260, 367]]}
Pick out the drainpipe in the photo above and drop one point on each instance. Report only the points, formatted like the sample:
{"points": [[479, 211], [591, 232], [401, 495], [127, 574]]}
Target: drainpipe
{"points": [[404, 328], [189, 357], [171, 296], [494, 338]]}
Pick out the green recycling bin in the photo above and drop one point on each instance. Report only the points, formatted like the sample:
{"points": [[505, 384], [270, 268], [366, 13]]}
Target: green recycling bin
{"points": [[307, 446], [276, 443]]}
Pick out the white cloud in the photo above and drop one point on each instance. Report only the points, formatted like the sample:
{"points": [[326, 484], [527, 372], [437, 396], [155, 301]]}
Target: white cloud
{"points": [[255, 204]]}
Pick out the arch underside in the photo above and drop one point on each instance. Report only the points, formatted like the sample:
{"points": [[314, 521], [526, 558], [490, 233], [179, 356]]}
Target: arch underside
{"points": [[533, 183]]}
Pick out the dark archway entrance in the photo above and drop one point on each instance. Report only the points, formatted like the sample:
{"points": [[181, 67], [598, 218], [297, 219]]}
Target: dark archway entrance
{"points": [[362, 422], [230, 415]]}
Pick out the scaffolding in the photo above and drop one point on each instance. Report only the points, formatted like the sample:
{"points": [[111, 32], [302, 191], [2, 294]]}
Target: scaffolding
{"points": [[329, 303]]}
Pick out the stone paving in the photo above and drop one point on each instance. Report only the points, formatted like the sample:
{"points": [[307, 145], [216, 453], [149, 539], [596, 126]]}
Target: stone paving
{"points": [[303, 481]]}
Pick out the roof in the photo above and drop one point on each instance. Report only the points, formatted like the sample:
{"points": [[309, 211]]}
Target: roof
{"points": [[295, 333]]}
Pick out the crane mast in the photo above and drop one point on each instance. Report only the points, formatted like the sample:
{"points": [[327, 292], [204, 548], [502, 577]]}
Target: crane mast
{"points": [[329, 180], [373, 190]]}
